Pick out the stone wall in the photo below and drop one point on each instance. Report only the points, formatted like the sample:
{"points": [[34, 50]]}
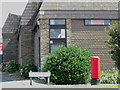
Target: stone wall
{"points": [[44, 39], [68, 30], [10, 44], [26, 45]]}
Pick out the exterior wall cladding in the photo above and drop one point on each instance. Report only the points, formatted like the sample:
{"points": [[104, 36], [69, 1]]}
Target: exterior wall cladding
{"points": [[31, 45], [26, 45], [91, 38], [44, 39]]}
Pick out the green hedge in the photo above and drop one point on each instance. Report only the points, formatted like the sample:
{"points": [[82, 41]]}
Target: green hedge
{"points": [[12, 66], [69, 65]]}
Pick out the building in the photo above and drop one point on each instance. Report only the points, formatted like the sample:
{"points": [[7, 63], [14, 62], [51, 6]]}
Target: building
{"points": [[10, 40], [44, 26]]}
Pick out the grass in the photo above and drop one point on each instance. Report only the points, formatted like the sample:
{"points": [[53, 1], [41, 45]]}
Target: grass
{"points": [[105, 86]]}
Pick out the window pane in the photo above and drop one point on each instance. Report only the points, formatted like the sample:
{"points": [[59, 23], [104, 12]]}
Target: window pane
{"points": [[97, 22], [57, 22], [107, 22], [87, 22], [55, 46], [57, 33]]}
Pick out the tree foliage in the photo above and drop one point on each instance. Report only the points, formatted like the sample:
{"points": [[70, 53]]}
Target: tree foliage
{"points": [[114, 42]]}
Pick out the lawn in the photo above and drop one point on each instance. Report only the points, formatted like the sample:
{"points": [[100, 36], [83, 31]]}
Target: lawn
{"points": [[106, 86]]}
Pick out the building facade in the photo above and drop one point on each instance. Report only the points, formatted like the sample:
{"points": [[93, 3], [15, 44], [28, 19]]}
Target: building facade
{"points": [[44, 26]]}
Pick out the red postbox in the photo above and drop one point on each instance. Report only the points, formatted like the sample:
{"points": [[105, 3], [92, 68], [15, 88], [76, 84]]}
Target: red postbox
{"points": [[95, 69]]}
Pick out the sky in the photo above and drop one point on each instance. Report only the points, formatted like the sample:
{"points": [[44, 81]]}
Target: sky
{"points": [[10, 6]]}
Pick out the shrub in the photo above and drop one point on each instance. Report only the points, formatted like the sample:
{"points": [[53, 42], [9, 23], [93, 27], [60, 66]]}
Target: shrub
{"points": [[25, 69], [110, 78], [69, 65], [12, 66], [114, 42]]}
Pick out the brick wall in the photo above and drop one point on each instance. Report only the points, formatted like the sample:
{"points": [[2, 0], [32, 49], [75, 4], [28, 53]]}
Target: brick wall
{"points": [[68, 30], [10, 44], [44, 39], [93, 39], [26, 45]]}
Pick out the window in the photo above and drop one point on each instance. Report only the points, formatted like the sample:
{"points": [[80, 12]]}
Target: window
{"points": [[97, 22], [57, 22], [57, 33], [55, 46]]}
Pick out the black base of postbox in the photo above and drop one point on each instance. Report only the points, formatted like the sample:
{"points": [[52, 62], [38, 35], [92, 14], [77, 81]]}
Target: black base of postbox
{"points": [[95, 82]]}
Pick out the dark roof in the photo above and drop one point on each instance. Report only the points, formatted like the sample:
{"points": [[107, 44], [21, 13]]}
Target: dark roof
{"points": [[79, 6], [11, 24], [30, 13], [79, 10]]}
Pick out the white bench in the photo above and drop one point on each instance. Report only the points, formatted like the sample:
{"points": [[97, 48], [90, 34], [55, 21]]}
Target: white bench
{"points": [[39, 74]]}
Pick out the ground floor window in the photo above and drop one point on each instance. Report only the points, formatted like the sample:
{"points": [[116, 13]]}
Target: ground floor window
{"points": [[57, 34], [55, 45]]}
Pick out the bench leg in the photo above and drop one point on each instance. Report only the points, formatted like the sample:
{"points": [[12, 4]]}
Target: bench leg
{"points": [[31, 81], [48, 80]]}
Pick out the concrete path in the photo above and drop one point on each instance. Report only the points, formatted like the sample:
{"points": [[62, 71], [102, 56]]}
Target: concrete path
{"points": [[9, 81], [25, 84]]}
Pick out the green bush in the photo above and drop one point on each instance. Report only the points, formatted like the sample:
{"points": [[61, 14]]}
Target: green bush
{"points": [[12, 66], [110, 78], [69, 65], [114, 42], [25, 69]]}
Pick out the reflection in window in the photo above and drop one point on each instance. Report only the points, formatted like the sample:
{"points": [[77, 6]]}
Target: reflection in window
{"points": [[55, 46], [57, 22], [97, 22], [57, 33]]}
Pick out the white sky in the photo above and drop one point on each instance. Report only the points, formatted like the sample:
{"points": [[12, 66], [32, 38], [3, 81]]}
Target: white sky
{"points": [[10, 6]]}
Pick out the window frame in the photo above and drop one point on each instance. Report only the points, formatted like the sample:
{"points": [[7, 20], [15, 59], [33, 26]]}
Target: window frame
{"points": [[96, 24], [58, 40]]}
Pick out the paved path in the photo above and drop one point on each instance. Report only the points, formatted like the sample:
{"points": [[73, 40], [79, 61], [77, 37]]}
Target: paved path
{"points": [[3, 79], [10, 81]]}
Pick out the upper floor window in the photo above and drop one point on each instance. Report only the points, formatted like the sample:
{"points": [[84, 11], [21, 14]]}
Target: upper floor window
{"points": [[97, 22], [57, 22]]}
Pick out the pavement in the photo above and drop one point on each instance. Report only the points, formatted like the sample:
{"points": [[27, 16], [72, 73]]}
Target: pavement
{"points": [[13, 81]]}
